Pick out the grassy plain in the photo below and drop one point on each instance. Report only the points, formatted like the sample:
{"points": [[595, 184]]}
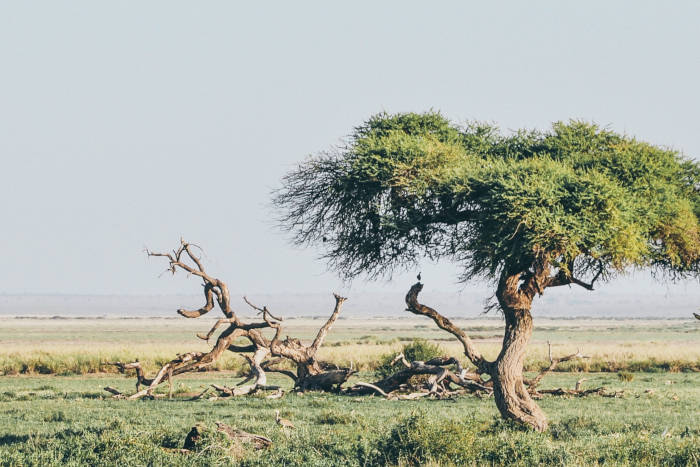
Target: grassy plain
{"points": [[81, 346], [47, 419], [68, 421]]}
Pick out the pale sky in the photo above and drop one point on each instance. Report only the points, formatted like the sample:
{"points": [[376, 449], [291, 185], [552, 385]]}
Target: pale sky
{"points": [[128, 124]]}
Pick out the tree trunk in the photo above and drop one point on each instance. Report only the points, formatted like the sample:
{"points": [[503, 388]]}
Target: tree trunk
{"points": [[512, 397]]}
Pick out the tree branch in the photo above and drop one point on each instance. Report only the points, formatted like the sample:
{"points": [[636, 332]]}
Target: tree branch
{"points": [[443, 323], [563, 277], [213, 288], [553, 362], [326, 327]]}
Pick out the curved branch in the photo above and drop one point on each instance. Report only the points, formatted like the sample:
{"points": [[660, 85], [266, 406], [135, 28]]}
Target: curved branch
{"points": [[243, 348], [209, 295], [267, 367], [218, 323], [326, 327], [567, 278], [443, 323], [213, 287]]}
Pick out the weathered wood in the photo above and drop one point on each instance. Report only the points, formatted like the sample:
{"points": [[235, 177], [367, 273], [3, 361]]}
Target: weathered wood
{"points": [[258, 441], [553, 362], [439, 382], [309, 370]]}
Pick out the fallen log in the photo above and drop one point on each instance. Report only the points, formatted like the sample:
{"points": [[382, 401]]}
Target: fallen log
{"points": [[440, 380]]}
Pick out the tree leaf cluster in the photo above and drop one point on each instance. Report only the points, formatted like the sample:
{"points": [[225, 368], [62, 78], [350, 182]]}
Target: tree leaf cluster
{"points": [[406, 186]]}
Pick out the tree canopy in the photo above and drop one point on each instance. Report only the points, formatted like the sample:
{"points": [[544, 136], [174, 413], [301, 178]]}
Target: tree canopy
{"points": [[588, 201]]}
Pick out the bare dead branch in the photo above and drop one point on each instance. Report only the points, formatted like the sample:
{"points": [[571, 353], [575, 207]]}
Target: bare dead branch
{"points": [[553, 362], [400, 358], [309, 371], [443, 323], [218, 323], [326, 327], [377, 389], [116, 393]]}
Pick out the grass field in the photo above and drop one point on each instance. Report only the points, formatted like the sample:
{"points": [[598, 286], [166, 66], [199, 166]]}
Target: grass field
{"points": [[47, 419], [68, 421], [81, 346]]}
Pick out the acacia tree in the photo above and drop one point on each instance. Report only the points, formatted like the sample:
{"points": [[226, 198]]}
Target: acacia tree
{"points": [[528, 211]]}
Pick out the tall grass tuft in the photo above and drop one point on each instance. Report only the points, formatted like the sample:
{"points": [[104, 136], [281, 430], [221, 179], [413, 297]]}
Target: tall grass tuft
{"points": [[419, 349]]}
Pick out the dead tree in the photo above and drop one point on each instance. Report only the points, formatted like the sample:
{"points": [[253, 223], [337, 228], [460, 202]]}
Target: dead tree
{"points": [[310, 372], [439, 382]]}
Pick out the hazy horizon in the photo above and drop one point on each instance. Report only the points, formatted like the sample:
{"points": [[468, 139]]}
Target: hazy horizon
{"points": [[469, 303]]}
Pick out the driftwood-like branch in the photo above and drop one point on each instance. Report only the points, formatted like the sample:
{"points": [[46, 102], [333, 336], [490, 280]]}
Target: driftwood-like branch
{"points": [[438, 384], [268, 367], [260, 442], [117, 394], [553, 362], [309, 371], [443, 323], [578, 391], [326, 327], [374, 388], [196, 432]]}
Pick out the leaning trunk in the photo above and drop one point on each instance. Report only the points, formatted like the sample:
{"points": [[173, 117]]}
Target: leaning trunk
{"points": [[511, 395]]}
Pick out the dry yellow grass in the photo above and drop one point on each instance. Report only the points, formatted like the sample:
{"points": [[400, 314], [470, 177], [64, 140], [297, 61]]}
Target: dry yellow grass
{"points": [[83, 345]]}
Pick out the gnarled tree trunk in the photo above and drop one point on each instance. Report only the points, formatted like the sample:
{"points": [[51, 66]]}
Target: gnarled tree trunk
{"points": [[506, 372], [512, 397]]}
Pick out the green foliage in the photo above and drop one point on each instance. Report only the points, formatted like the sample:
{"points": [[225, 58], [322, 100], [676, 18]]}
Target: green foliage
{"points": [[582, 196], [417, 440], [419, 349]]}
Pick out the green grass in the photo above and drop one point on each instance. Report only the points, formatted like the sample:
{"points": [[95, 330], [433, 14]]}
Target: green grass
{"points": [[49, 420]]}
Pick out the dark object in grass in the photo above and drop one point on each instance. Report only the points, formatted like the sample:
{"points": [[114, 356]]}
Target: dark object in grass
{"points": [[258, 441], [194, 437], [625, 376]]}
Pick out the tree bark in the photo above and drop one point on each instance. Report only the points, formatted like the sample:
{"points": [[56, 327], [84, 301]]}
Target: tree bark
{"points": [[512, 397], [515, 299]]}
